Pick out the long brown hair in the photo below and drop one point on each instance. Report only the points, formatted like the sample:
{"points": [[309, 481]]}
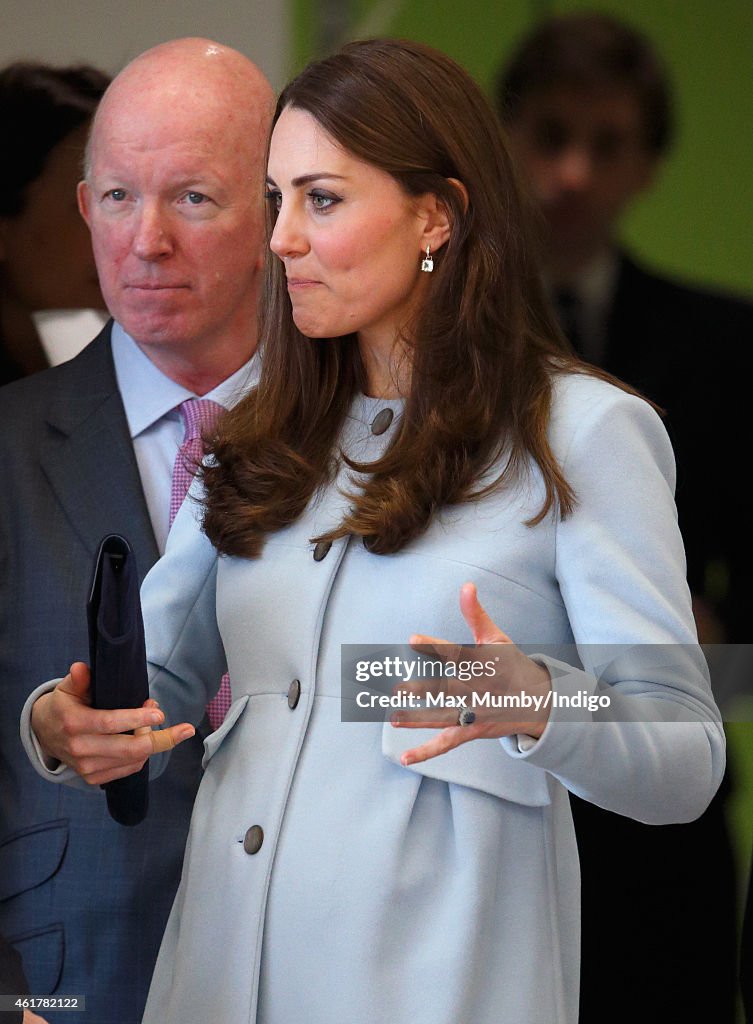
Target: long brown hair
{"points": [[483, 348]]}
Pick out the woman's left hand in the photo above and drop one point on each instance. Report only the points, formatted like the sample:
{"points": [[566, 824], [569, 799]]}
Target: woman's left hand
{"points": [[514, 673]]}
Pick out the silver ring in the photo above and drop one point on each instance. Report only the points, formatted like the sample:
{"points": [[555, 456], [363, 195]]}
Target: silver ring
{"points": [[466, 716]]}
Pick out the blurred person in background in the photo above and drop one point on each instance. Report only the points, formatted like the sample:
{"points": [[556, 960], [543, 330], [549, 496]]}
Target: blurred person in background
{"points": [[46, 259], [588, 107]]}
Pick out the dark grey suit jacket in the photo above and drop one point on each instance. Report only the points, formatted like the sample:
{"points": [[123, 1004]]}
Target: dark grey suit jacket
{"points": [[12, 981], [84, 900]]}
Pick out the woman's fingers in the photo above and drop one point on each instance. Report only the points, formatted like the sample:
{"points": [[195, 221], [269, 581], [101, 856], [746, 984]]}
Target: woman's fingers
{"points": [[439, 744], [483, 629], [482, 692], [433, 647], [448, 739]]}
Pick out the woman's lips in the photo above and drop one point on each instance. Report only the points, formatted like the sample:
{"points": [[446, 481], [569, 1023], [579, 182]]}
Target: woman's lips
{"points": [[295, 283]]}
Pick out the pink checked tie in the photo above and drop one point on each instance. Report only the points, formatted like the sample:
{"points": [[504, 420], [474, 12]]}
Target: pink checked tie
{"points": [[199, 415]]}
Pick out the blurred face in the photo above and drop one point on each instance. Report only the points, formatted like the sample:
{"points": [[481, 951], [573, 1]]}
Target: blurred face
{"points": [[45, 252], [585, 160], [173, 205], [349, 236]]}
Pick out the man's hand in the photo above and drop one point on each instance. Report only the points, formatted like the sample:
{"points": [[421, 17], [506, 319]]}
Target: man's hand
{"points": [[31, 1018], [91, 741]]}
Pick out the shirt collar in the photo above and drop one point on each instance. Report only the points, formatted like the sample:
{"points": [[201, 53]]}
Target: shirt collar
{"points": [[594, 285], [148, 394]]}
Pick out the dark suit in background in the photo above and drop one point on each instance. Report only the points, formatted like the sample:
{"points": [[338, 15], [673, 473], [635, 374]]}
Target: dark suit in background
{"points": [[688, 350], [12, 980], [83, 899], [746, 955], [659, 903]]}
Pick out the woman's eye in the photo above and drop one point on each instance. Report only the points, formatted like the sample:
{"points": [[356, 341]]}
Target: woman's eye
{"points": [[323, 201], [274, 197]]}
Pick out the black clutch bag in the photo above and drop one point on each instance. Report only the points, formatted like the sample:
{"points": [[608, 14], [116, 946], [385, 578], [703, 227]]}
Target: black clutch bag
{"points": [[117, 659]]}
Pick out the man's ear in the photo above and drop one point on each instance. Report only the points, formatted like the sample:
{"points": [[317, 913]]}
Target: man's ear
{"points": [[437, 220], [84, 195]]}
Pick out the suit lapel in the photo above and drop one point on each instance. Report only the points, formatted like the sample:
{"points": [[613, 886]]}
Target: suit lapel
{"points": [[88, 456], [621, 327]]}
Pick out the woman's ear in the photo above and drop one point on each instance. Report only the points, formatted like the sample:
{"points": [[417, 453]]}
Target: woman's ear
{"points": [[437, 221], [458, 185]]}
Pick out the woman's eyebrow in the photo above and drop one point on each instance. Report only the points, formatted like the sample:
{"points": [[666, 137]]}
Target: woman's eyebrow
{"points": [[306, 179]]}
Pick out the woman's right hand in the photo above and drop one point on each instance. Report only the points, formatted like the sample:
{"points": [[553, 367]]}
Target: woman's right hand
{"points": [[92, 741]]}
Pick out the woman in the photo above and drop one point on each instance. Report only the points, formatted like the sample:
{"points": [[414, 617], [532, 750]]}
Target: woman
{"points": [[419, 424], [46, 260]]}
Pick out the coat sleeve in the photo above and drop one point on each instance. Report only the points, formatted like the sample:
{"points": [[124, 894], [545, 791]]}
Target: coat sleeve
{"points": [[185, 655], [656, 753]]}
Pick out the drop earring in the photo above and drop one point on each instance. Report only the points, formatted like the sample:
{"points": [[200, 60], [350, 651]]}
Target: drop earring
{"points": [[427, 263]]}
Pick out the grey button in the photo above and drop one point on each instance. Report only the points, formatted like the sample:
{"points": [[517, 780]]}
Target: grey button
{"points": [[294, 694], [322, 549], [253, 839], [381, 421]]}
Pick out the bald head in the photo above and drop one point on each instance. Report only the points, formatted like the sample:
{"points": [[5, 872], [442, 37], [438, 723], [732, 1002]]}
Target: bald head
{"points": [[174, 200], [184, 79]]}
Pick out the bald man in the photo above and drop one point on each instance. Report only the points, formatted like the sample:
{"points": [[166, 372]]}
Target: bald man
{"points": [[173, 198]]}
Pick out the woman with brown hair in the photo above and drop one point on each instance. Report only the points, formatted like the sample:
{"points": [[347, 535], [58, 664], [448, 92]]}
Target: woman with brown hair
{"points": [[419, 424]]}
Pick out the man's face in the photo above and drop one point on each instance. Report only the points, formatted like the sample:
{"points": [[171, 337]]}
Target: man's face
{"points": [[174, 207], [585, 158]]}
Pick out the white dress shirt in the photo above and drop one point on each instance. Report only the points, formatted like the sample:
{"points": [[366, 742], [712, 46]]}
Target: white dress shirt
{"points": [[64, 332], [151, 401]]}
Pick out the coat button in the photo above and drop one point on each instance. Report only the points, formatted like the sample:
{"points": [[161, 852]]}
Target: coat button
{"points": [[253, 839], [294, 694], [322, 549], [381, 421]]}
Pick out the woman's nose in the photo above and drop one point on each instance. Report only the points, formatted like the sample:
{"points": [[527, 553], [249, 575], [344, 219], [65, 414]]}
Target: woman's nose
{"points": [[288, 237]]}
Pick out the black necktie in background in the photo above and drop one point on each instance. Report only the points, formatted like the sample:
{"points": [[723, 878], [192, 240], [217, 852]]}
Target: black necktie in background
{"points": [[569, 310]]}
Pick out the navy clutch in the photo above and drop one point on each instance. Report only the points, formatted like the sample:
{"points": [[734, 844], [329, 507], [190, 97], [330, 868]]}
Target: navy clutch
{"points": [[117, 659]]}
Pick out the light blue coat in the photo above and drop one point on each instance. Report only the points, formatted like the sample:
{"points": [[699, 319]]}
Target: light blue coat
{"points": [[448, 892]]}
